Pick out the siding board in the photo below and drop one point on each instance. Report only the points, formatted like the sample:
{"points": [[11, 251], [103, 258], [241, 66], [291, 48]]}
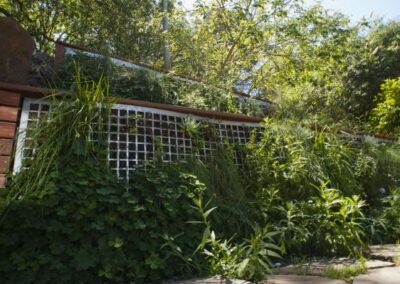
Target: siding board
{"points": [[9, 98], [8, 113], [2, 180], [6, 147], [4, 162], [7, 130]]}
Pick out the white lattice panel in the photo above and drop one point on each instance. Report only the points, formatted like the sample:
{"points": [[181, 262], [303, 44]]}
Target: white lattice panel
{"points": [[136, 134]]}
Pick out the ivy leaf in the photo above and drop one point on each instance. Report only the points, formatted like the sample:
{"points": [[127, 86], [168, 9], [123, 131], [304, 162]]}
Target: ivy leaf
{"points": [[85, 259]]}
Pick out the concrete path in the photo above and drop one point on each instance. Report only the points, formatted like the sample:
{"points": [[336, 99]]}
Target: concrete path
{"points": [[211, 280], [381, 270], [384, 252], [273, 279], [318, 266], [389, 275], [300, 279]]}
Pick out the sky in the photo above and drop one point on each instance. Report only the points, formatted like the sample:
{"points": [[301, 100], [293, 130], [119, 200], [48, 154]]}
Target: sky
{"points": [[356, 9]]}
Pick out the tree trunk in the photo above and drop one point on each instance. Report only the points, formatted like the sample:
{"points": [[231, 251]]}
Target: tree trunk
{"points": [[166, 53]]}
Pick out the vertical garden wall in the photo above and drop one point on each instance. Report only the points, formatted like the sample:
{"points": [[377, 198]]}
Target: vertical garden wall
{"points": [[136, 134]]}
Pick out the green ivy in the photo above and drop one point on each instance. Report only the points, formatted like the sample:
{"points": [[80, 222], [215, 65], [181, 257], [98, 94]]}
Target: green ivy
{"points": [[86, 228]]}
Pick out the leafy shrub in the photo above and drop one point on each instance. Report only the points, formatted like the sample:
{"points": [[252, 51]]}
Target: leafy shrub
{"points": [[248, 260], [328, 223], [227, 190], [148, 85], [336, 222], [377, 168], [85, 226], [124, 82], [77, 223], [66, 130], [256, 254], [294, 160], [293, 222], [383, 221], [386, 115], [379, 60], [223, 257]]}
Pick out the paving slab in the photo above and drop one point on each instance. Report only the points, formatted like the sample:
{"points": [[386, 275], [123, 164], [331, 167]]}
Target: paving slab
{"points": [[318, 266], [384, 252], [376, 263], [300, 279], [388, 275], [210, 280], [315, 266]]}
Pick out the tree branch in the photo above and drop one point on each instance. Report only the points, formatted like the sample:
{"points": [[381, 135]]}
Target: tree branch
{"points": [[5, 12]]}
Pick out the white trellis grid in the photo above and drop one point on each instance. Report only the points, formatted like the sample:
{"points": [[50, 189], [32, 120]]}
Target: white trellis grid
{"points": [[136, 134]]}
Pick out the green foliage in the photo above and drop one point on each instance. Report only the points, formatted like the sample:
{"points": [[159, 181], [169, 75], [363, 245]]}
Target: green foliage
{"points": [[77, 223], [227, 190], [293, 222], [237, 43], [310, 86], [337, 69], [89, 227], [383, 223], [131, 29], [223, 257], [248, 260], [366, 72], [191, 127], [328, 224], [347, 272], [82, 224], [68, 128], [386, 115], [290, 174], [150, 85], [123, 82], [336, 222], [314, 64], [257, 251], [294, 160], [293, 171], [377, 166]]}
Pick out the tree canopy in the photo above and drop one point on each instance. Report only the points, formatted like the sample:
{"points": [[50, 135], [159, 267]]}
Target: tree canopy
{"points": [[314, 64]]}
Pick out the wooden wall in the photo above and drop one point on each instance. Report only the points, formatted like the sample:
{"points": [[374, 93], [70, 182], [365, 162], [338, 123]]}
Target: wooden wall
{"points": [[9, 114]]}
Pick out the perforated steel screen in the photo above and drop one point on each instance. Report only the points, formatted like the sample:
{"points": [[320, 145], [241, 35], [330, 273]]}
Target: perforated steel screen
{"points": [[136, 134]]}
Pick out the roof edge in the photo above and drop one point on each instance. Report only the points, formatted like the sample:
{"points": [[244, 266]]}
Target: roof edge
{"points": [[29, 91]]}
